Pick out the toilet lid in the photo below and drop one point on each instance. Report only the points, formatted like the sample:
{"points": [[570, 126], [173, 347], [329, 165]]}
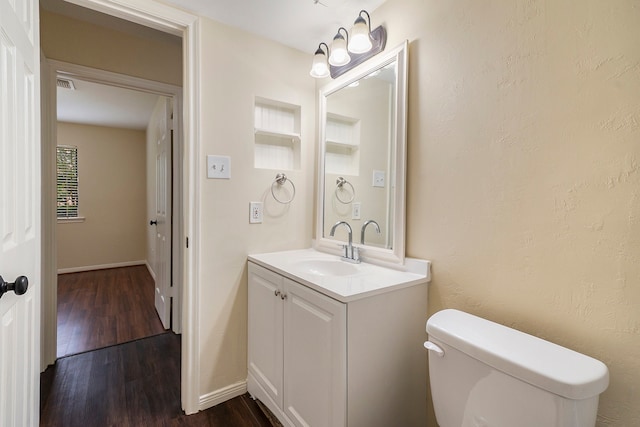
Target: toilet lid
{"points": [[541, 363]]}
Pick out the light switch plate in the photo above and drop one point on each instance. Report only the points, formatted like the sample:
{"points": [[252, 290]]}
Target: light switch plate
{"points": [[218, 167], [378, 178]]}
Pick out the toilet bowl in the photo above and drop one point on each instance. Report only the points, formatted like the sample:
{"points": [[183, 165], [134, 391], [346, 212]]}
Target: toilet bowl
{"points": [[484, 374]]}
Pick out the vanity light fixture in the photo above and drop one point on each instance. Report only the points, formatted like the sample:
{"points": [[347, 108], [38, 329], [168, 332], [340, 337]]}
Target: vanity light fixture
{"points": [[320, 68], [349, 49], [360, 41], [339, 55]]}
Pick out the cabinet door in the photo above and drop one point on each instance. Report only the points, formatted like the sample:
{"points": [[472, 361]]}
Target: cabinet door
{"points": [[265, 331], [315, 358]]}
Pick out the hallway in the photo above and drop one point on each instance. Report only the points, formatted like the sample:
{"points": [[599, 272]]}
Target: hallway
{"points": [[100, 308]]}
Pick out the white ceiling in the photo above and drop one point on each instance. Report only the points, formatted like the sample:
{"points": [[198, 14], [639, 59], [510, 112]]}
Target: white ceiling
{"points": [[101, 105], [300, 24]]}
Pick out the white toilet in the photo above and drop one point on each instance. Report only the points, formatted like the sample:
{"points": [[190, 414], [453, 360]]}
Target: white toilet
{"points": [[487, 375]]}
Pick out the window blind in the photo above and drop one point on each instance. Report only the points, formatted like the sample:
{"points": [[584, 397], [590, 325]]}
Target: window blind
{"points": [[67, 181]]}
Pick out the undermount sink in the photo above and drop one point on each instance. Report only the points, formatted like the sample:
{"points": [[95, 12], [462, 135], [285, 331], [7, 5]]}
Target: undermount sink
{"points": [[327, 267]]}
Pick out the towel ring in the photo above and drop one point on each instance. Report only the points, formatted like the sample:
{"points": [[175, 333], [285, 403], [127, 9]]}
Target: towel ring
{"points": [[340, 182], [281, 179]]}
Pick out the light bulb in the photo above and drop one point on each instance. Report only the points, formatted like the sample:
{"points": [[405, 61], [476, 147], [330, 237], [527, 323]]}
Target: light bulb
{"points": [[319, 68], [359, 39], [339, 55]]}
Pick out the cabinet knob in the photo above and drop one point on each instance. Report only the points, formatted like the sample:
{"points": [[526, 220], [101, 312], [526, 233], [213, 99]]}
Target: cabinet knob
{"points": [[283, 296], [277, 292]]}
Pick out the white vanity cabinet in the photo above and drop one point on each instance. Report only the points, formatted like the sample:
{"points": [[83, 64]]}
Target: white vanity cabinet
{"points": [[316, 361], [297, 350]]}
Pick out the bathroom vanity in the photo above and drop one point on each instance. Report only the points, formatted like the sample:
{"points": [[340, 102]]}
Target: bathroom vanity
{"points": [[337, 344], [334, 343]]}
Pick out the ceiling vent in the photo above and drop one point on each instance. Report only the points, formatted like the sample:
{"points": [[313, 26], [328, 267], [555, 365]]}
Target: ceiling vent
{"points": [[65, 83]]}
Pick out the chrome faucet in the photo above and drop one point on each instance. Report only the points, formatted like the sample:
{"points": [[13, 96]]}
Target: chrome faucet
{"points": [[364, 227], [351, 253]]}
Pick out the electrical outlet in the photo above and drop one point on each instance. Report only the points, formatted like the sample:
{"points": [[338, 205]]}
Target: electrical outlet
{"points": [[378, 178], [255, 212], [219, 167], [355, 210]]}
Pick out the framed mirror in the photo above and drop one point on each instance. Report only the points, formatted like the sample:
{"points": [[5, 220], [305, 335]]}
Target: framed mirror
{"points": [[362, 157]]}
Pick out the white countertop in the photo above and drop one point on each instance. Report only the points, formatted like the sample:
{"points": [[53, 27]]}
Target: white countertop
{"points": [[369, 279]]}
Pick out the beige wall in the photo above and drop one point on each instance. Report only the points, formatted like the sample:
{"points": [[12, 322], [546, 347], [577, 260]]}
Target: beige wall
{"points": [[112, 185], [77, 42], [523, 170], [236, 67]]}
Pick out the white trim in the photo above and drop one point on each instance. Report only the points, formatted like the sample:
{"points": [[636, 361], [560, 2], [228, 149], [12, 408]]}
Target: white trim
{"points": [[95, 75], [151, 272], [177, 232], [146, 12], [190, 369], [169, 19], [216, 397], [49, 300], [100, 266], [71, 220]]}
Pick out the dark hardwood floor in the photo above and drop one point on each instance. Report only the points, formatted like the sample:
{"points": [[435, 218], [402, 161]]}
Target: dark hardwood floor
{"points": [[101, 308], [132, 384], [116, 365]]}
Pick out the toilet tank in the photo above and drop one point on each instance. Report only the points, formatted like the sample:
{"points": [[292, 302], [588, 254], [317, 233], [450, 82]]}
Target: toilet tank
{"points": [[490, 375]]}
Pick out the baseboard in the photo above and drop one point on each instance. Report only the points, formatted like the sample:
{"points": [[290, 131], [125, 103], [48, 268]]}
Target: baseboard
{"points": [[151, 272], [100, 266], [222, 395]]}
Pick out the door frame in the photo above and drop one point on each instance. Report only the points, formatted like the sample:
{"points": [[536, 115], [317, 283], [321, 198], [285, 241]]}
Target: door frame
{"points": [[54, 69], [185, 25]]}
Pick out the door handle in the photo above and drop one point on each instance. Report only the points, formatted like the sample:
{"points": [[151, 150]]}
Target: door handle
{"points": [[153, 222], [19, 286]]}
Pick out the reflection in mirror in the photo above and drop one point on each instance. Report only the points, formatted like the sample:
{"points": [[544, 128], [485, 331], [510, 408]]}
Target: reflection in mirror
{"points": [[362, 157], [359, 155]]}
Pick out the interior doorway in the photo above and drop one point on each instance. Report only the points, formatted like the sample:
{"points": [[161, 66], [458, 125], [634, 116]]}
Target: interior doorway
{"points": [[185, 25], [165, 204]]}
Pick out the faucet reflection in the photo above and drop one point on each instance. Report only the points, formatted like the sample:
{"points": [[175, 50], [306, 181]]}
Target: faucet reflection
{"points": [[364, 227]]}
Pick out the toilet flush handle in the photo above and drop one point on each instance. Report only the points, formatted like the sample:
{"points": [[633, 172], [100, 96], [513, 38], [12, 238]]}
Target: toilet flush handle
{"points": [[433, 347]]}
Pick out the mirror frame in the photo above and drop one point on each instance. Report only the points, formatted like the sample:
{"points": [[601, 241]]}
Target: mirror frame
{"points": [[374, 254]]}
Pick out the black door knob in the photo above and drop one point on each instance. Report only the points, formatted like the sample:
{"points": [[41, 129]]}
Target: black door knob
{"points": [[19, 286], [153, 222]]}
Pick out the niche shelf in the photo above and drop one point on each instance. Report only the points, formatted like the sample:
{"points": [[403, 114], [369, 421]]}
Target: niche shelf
{"points": [[277, 135], [342, 143]]}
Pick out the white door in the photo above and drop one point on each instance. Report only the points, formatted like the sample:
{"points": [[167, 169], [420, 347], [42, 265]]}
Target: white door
{"points": [[163, 212], [315, 358], [19, 211]]}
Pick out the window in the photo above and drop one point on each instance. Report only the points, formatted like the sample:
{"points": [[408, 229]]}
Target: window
{"points": [[67, 181]]}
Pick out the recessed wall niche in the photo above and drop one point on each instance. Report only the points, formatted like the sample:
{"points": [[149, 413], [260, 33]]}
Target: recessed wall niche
{"points": [[342, 143], [277, 135]]}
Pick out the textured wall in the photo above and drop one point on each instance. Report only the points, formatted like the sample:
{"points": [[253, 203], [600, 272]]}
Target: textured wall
{"points": [[523, 170]]}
